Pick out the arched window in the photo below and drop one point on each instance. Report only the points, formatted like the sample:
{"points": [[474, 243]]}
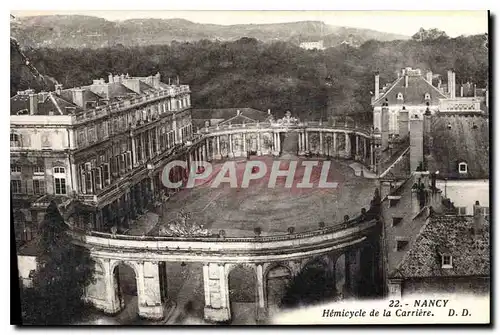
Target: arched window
{"points": [[400, 96], [462, 167], [427, 96]]}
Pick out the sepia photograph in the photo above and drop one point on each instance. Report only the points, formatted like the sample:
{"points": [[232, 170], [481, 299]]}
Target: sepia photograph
{"points": [[250, 167]]}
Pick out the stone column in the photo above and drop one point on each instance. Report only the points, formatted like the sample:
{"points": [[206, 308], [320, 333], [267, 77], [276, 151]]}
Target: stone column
{"points": [[372, 157], [321, 142], [217, 300], [244, 139], [148, 292], [278, 144], [261, 307], [347, 145], [300, 143], [157, 138], [259, 150], [230, 137], [113, 305], [357, 148], [335, 152], [134, 154], [307, 140], [153, 189], [218, 155], [364, 150]]}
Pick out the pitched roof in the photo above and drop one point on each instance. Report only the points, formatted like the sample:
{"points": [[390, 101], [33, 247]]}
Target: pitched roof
{"points": [[118, 90], [457, 138], [88, 95], [414, 94], [47, 103], [451, 235]]}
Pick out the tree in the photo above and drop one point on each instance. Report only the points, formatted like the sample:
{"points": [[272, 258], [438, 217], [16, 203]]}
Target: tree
{"points": [[63, 272]]}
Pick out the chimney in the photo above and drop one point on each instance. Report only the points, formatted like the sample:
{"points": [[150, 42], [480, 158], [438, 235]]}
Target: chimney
{"points": [[268, 111], [416, 141], [478, 218], [406, 80], [403, 122], [377, 85], [58, 89], [77, 96], [451, 85], [237, 112], [384, 125], [429, 76], [454, 83], [157, 80], [33, 103], [110, 78], [439, 83]]}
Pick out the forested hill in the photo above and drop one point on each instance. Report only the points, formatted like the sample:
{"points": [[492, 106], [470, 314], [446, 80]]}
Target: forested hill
{"points": [[77, 31], [279, 75]]}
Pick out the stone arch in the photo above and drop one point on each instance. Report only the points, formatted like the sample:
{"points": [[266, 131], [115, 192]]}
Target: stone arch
{"points": [[314, 282], [242, 292], [127, 295], [277, 278]]}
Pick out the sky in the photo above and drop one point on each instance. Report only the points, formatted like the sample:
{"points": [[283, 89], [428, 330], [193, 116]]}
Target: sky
{"points": [[454, 23]]}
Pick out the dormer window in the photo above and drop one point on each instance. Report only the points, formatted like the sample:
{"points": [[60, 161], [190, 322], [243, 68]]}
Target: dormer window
{"points": [[400, 96], [462, 167], [446, 261], [427, 96], [401, 244]]}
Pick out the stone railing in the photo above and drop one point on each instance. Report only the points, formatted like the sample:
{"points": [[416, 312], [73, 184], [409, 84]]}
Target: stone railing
{"points": [[215, 243], [459, 105], [130, 103], [327, 126]]}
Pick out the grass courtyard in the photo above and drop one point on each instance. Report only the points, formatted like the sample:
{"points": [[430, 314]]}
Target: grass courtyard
{"points": [[239, 210]]}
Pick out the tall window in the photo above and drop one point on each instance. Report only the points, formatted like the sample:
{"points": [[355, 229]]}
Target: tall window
{"points": [[98, 179], [14, 140], [15, 186], [38, 186], [60, 180], [15, 169], [60, 184], [105, 174]]}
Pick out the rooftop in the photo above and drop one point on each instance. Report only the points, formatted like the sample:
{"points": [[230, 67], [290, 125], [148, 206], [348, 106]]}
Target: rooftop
{"points": [[458, 138], [414, 94], [450, 235]]}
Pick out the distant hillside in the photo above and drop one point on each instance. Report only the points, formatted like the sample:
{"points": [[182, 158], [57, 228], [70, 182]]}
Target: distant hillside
{"points": [[77, 31]]}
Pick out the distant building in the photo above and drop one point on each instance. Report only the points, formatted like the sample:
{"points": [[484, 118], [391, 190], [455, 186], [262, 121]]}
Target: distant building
{"points": [[413, 93], [434, 181], [312, 45], [96, 150]]}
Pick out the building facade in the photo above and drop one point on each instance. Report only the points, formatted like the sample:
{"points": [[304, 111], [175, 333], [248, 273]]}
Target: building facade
{"points": [[92, 149]]}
